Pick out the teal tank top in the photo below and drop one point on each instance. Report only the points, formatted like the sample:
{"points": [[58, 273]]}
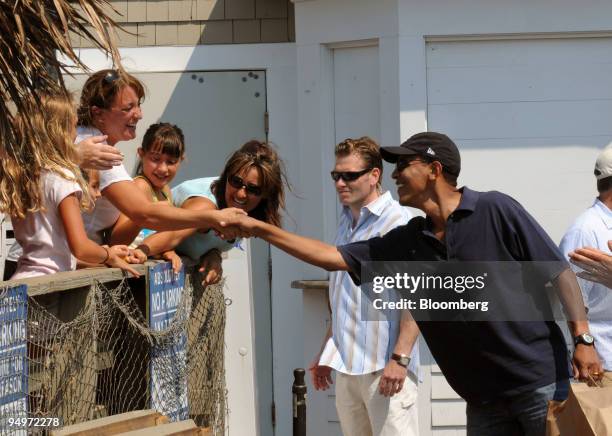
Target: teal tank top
{"points": [[199, 243]]}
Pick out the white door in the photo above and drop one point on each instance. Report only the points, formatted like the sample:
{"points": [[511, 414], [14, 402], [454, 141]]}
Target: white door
{"points": [[356, 84], [219, 111], [356, 92], [529, 117]]}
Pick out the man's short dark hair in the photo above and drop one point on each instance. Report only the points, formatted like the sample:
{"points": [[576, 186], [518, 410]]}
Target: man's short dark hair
{"points": [[451, 179], [604, 184]]}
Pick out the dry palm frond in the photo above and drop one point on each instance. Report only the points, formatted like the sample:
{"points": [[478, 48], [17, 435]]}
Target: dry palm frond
{"points": [[32, 35]]}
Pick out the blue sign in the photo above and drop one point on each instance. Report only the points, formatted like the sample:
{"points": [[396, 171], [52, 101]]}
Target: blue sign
{"points": [[168, 380], [13, 353]]}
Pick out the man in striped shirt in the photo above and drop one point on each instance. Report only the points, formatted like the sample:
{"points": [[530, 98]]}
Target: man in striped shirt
{"points": [[376, 361]]}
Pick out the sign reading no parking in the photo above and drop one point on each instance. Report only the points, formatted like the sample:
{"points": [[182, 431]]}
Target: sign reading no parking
{"points": [[167, 368]]}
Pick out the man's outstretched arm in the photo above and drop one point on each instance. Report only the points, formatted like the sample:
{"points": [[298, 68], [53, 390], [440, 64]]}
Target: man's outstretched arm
{"points": [[308, 250]]}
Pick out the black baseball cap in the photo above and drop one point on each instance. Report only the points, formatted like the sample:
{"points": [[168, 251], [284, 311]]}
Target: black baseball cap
{"points": [[429, 145]]}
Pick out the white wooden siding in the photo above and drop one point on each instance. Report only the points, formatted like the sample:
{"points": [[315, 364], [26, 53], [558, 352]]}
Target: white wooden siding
{"points": [[440, 389], [539, 105], [441, 410]]}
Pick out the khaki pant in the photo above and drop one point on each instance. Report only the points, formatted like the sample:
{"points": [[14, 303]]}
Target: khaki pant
{"points": [[364, 412]]}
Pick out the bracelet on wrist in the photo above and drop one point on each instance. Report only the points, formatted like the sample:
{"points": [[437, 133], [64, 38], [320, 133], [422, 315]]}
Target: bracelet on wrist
{"points": [[107, 254], [145, 249]]}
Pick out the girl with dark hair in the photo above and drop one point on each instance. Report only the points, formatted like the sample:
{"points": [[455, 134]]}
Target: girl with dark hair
{"points": [[161, 154], [253, 180]]}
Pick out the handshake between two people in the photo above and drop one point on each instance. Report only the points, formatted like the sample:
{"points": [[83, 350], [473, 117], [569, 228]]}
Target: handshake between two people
{"points": [[235, 223]]}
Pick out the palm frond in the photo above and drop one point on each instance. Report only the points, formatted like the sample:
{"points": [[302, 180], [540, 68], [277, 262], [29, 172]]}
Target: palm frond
{"points": [[32, 35]]}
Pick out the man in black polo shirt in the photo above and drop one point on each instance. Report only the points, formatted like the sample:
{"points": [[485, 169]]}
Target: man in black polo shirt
{"points": [[505, 370]]}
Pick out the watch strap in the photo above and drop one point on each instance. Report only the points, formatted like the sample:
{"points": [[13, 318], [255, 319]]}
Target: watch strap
{"points": [[401, 359], [584, 339]]}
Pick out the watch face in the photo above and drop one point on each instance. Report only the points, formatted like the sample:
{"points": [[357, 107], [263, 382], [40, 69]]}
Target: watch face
{"points": [[402, 359], [587, 338]]}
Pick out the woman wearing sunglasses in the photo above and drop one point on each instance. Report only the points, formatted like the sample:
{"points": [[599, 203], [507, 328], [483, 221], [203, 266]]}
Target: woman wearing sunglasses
{"points": [[253, 180]]}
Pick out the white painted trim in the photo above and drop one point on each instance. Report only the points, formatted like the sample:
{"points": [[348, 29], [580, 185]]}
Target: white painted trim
{"points": [[211, 58], [389, 79], [328, 139], [253, 349], [373, 42], [514, 36], [412, 85]]}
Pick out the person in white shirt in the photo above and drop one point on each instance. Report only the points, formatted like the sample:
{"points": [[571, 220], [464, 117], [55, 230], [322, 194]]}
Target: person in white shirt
{"points": [[593, 228], [376, 362], [110, 105], [45, 194]]}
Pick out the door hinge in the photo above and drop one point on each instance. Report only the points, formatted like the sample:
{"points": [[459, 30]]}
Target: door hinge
{"points": [[273, 414], [270, 269], [266, 122]]}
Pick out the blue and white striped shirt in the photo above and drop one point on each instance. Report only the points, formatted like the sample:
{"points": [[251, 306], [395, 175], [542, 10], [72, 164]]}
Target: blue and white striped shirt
{"points": [[356, 346]]}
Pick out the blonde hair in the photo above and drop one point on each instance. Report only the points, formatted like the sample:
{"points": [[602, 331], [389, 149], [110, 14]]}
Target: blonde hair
{"points": [[49, 120]]}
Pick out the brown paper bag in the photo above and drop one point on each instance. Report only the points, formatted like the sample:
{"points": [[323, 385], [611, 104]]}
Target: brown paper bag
{"points": [[554, 408], [586, 412]]}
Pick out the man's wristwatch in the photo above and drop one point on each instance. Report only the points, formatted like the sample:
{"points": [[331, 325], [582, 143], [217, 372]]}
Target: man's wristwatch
{"points": [[401, 359], [585, 339]]}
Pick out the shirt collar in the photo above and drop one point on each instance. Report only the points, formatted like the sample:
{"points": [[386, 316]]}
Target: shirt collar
{"points": [[467, 203], [604, 212], [468, 200], [376, 207]]}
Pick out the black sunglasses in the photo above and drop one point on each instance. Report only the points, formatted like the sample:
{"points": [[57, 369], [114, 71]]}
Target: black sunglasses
{"points": [[238, 183], [348, 176], [403, 163]]}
